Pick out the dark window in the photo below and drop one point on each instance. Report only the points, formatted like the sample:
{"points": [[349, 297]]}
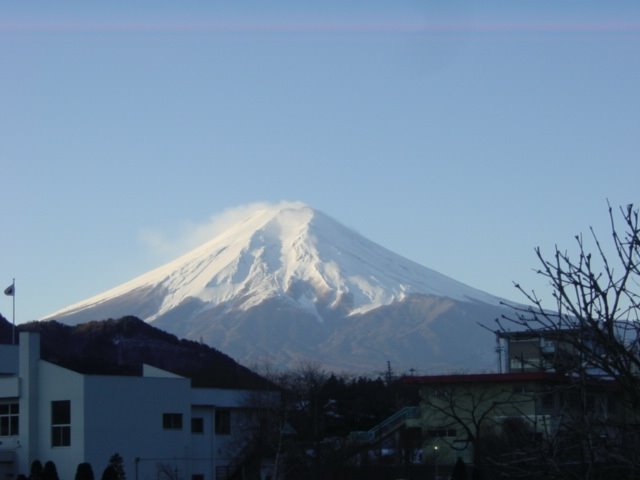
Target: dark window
{"points": [[172, 421], [197, 476], [223, 422], [61, 412], [197, 425], [60, 423], [9, 419]]}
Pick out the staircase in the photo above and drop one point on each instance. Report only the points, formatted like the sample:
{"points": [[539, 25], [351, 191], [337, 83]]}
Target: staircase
{"points": [[386, 427]]}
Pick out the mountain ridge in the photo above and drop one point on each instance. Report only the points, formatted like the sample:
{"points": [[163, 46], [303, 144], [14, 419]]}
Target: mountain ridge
{"points": [[259, 258], [288, 281]]}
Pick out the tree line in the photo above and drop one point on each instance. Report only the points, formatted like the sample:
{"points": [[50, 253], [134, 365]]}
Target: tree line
{"points": [[84, 471]]}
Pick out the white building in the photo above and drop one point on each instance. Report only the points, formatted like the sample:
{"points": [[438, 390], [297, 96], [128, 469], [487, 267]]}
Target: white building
{"points": [[163, 428]]}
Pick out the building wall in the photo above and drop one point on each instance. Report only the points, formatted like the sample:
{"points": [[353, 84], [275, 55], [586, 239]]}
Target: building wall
{"points": [[8, 359], [57, 383], [117, 414], [235, 403], [9, 395], [124, 415], [203, 445], [447, 409]]}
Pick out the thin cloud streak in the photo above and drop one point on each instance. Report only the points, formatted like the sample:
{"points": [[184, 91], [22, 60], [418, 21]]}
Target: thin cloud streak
{"points": [[318, 27], [194, 234]]}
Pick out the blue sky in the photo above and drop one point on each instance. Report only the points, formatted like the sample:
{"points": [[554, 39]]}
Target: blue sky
{"points": [[459, 134]]}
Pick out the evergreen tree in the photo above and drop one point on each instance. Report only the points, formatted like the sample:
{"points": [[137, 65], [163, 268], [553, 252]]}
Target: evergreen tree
{"points": [[50, 472], [116, 463], [109, 473], [84, 472], [36, 470]]}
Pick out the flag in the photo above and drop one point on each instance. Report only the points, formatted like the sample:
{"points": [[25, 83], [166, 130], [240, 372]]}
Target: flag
{"points": [[10, 290]]}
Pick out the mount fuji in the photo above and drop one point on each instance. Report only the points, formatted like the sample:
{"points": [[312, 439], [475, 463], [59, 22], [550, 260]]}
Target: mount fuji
{"points": [[288, 284]]}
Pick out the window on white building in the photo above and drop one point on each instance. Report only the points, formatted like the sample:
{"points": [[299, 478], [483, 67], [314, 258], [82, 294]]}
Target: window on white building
{"points": [[60, 423], [9, 419], [172, 421], [223, 422], [197, 425]]}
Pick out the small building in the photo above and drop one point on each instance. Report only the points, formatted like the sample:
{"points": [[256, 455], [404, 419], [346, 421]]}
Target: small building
{"points": [[540, 350], [457, 411], [462, 414], [162, 427]]}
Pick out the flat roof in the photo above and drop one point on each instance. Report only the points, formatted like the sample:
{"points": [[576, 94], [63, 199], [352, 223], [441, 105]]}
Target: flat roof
{"points": [[485, 378], [511, 377]]}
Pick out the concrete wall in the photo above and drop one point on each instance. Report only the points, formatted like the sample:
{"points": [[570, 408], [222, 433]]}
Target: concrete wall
{"points": [[117, 414], [10, 446], [445, 407], [125, 415], [8, 359], [57, 383], [204, 445]]}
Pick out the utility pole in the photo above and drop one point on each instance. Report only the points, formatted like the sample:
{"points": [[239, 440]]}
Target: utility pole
{"points": [[389, 374]]}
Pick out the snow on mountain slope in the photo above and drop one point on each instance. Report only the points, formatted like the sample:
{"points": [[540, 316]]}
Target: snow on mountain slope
{"points": [[288, 251]]}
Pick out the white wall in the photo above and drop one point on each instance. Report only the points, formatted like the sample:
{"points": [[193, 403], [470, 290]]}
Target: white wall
{"points": [[120, 414], [203, 445], [57, 383], [220, 397], [124, 415], [8, 359]]}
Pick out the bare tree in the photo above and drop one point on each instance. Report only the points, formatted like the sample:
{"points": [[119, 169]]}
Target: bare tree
{"points": [[460, 415], [264, 428], [277, 415], [597, 308], [597, 296]]}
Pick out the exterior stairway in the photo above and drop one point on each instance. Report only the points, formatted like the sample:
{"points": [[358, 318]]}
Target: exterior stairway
{"points": [[388, 426]]}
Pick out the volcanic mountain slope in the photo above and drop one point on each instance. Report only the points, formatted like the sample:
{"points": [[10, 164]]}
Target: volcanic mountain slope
{"points": [[287, 283]]}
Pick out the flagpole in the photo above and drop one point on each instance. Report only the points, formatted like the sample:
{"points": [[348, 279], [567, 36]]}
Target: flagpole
{"points": [[11, 291], [14, 311]]}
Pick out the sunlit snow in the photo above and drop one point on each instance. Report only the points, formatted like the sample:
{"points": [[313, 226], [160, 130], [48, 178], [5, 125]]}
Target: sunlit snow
{"points": [[288, 250]]}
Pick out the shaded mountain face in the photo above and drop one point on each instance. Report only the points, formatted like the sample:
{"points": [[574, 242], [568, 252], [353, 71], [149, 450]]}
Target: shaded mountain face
{"points": [[287, 284], [121, 347], [426, 333]]}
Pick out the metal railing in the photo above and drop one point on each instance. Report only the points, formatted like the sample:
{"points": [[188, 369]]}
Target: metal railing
{"points": [[385, 427]]}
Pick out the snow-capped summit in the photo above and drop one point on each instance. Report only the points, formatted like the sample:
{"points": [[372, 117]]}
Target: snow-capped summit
{"points": [[299, 262], [291, 251]]}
